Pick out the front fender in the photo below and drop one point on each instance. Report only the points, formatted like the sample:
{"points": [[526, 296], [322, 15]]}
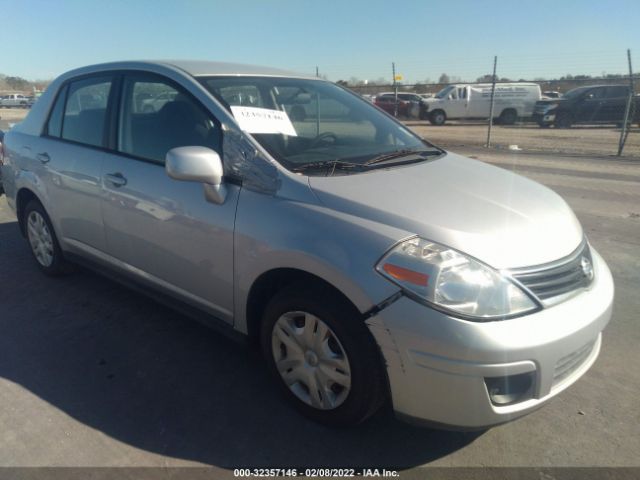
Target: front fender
{"points": [[341, 249]]}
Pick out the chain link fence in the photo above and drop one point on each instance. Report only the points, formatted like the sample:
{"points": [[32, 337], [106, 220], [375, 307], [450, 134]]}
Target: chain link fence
{"points": [[605, 121]]}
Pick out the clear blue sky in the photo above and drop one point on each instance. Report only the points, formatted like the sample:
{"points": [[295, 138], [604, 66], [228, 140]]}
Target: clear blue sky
{"points": [[537, 38]]}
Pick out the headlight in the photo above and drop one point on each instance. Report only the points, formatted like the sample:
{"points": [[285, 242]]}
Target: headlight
{"points": [[450, 280]]}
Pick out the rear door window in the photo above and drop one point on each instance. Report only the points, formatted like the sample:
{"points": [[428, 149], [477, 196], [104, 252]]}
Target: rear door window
{"points": [[617, 92], [86, 110]]}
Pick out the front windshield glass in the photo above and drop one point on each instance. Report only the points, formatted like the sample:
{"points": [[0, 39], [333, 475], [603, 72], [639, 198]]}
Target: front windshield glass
{"points": [[302, 122], [444, 92]]}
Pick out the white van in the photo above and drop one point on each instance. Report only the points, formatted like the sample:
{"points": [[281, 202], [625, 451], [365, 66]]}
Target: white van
{"points": [[511, 101]]}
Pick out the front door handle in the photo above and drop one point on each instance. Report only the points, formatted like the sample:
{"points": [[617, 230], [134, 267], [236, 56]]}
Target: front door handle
{"points": [[116, 179], [43, 157]]}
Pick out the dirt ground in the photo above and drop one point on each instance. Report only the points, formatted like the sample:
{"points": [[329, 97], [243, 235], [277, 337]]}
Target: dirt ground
{"points": [[580, 139]]}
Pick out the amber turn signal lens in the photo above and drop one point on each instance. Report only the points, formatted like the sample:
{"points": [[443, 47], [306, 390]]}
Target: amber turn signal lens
{"points": [[406, 275]]}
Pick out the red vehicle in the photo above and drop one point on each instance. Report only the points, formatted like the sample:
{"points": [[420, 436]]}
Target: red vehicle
{"points": [[386, 101]]}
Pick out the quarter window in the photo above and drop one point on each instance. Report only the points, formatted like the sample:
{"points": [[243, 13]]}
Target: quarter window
{"points": [[156, 116], [86, 110], [54, 127]]}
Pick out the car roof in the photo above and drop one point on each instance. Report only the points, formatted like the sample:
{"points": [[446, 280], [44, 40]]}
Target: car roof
{"points": [[200, 68]]}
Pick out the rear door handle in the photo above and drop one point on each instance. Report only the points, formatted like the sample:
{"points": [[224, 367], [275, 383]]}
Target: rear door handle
{"points": [[116, 179], [43, 157]]}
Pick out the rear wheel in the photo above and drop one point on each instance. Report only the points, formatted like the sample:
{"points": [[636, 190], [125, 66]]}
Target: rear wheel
{"points": [[322, 355], [42, 240], [437, 117]]}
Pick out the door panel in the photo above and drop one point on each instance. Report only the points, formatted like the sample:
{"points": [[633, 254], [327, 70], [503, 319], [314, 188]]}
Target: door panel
{"points": [[75, 190], [71, 154], [614, 105], [457, 103], [589, 107], [166, 229]]}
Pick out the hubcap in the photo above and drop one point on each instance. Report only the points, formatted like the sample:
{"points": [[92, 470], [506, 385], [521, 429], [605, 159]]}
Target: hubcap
{"points": [[311, 360], [40, 239]]}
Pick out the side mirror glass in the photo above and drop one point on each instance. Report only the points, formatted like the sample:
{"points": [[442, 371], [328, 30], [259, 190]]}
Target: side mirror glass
{"points": [[198, 164]]}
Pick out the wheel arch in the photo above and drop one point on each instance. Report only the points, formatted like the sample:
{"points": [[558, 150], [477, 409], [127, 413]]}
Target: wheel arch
{"points": [[509, 109], [506, 112], [23, 197], [269, 283]]}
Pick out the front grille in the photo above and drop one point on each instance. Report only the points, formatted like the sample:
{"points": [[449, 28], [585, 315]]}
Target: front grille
{"points": [[569, 364], [559, 278]]}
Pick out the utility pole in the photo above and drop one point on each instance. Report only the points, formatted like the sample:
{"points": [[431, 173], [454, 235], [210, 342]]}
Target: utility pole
{"points": [[493, 91], [628, 109], [395, 90], [317, 72]]}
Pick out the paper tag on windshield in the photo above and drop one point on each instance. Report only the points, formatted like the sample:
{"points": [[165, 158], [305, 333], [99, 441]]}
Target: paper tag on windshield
{"points": [[263, 120]]}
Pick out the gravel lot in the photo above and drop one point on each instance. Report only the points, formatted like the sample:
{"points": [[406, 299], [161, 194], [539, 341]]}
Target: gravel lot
{"points": [[581, 139], [93, 374]]}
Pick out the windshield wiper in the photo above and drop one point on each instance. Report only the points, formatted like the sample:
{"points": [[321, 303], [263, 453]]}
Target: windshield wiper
{"points": [[329, 165], [400, 154]]}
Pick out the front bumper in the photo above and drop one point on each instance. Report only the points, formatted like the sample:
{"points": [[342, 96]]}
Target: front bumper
{"points": [[438, 365], [544, 117]]}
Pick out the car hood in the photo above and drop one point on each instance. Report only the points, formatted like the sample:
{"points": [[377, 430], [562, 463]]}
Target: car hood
{"points": [[492, 214]]}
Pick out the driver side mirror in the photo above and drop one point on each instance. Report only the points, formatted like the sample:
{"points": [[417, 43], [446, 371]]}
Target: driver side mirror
{"points": [[198, 164]]}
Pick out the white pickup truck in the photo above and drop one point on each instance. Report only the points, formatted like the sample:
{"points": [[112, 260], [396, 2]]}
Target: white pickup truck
{"points": [[466, 101], [16, 100]]}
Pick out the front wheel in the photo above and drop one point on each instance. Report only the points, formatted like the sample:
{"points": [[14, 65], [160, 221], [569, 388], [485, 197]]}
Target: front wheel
{"points": [[563, 120], [323, 356], [437, 117]]}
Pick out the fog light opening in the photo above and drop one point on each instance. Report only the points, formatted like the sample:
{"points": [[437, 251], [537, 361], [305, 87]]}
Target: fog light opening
{"points": [[511, 389]]}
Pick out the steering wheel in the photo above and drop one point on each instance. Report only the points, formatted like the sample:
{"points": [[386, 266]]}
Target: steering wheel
{"points": [[326, 137]]}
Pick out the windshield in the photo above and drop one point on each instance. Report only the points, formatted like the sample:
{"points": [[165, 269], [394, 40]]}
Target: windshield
{"points": [[576, 92], [444, 92], [302, 122]]}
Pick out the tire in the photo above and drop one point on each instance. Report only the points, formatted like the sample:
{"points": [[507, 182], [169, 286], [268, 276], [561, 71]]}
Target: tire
{"points": [[438, 117], [339, 351], [563, 120], [544, 125], [508, 117], [43, 241]]}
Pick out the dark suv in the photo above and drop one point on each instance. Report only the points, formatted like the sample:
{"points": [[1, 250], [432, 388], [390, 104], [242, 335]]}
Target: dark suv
{"points": [[592, 104]]}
